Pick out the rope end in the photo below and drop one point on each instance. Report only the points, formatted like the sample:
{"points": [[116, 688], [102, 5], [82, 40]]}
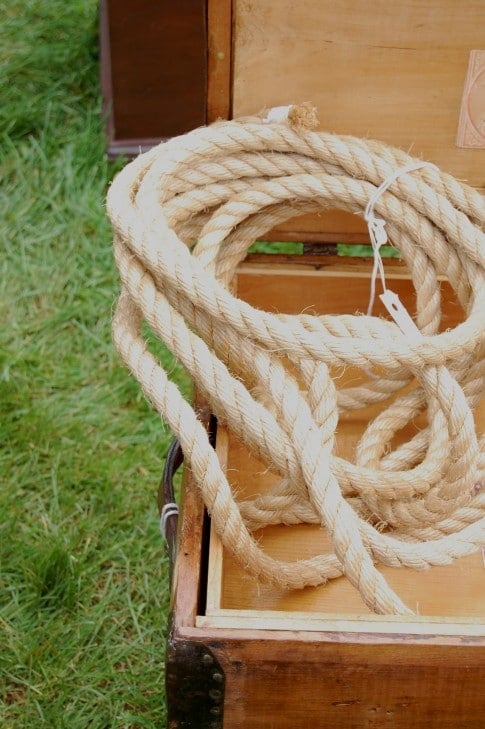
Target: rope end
{"points": [[303, 117], [300, 117]]}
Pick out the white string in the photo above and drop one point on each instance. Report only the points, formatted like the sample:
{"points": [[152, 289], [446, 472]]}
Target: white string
{"points": [[277, 115], [377, 228], [170, 509]]}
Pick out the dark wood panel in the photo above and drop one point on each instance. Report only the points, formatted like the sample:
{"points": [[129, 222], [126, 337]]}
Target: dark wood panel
{"points": [[292, 684], [153, 69]]}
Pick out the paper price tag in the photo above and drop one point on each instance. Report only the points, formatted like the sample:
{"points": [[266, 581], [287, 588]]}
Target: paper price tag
{"points": [[399, 313]]}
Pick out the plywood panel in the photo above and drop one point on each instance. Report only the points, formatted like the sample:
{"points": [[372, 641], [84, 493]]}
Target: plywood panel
{"points": [[390, 71], [427, 593]]}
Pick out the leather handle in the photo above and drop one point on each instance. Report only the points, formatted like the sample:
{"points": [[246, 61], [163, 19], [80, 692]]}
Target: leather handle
{"points": [[166, 495], [166, 491]]}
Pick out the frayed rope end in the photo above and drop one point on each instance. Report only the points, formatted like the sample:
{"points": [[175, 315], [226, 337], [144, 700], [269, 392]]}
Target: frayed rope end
{"points": [[300, 117]]}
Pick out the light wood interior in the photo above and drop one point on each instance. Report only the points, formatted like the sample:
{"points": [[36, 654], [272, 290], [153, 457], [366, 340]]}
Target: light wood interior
{"points": [[388, 71], [453, 595]]}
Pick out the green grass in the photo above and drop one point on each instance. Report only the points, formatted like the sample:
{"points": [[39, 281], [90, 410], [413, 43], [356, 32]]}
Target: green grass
{"points": [[343, 249], [83, 574]]}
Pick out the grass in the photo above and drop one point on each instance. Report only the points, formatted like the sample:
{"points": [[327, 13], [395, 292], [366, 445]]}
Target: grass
{"points": [[83, 575]]}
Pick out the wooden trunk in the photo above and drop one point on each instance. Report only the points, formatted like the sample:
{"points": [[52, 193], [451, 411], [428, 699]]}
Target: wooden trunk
{"points": [[242, 654]]}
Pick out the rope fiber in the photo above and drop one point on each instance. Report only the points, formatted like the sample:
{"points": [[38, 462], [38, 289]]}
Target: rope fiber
{"points": [[184, 215]]}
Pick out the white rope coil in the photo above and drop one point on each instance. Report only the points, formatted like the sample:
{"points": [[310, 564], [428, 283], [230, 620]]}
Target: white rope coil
{"points": [[184, 215]]}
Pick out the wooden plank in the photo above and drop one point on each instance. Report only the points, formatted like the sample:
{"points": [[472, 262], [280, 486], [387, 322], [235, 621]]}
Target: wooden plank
{"points": [[320, 288], [214, 572], [335, 623], [184, 602], [388, 71], [280, 288], [279, 263], [273, 680], [188, 573], [330, 226], [219, 19]]}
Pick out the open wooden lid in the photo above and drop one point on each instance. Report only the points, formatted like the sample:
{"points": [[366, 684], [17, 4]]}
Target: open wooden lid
{"points": [[406, 74]]}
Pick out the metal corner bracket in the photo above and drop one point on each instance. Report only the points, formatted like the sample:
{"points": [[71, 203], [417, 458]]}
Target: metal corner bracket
{"points": [[195, 685]]}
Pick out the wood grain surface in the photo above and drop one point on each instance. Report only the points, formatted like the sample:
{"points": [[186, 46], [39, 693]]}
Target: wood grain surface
{"points": [[388, 71], [332, 291]]}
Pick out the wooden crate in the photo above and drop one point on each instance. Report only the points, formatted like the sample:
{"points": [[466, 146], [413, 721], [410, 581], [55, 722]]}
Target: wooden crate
{"points": [[242, 654]]}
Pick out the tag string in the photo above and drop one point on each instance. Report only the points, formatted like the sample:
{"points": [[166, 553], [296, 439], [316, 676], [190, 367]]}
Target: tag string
{"points": [[377, 229]]}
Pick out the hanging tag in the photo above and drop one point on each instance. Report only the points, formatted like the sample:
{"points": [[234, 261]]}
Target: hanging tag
{"points": [[399, 313], [377, 231], [378, 238]]}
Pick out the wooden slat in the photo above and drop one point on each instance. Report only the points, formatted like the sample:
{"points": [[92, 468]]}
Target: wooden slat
{"points": [[303, 680], [330, 226], [215, 567], [219, 19], [188, 572], [262, 620]]}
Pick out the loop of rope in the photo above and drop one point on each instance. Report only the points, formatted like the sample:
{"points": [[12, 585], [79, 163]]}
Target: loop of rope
{"points": [[184, 215]]}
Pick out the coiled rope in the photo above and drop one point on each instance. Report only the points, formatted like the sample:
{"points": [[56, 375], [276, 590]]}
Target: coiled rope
{"points": [[184, 215]]}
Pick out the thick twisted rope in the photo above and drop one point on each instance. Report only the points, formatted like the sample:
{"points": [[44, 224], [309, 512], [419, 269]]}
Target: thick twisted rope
{"points": [[184, 215]]}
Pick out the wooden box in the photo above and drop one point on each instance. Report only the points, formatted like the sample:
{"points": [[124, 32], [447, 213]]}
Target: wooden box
{"points": [[242, 654]]}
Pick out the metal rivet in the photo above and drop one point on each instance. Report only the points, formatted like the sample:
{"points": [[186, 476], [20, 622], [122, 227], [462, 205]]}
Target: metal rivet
{"points": [[215, 711], [207, 659], [217, 677], [215, 725], [215, 694]]}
